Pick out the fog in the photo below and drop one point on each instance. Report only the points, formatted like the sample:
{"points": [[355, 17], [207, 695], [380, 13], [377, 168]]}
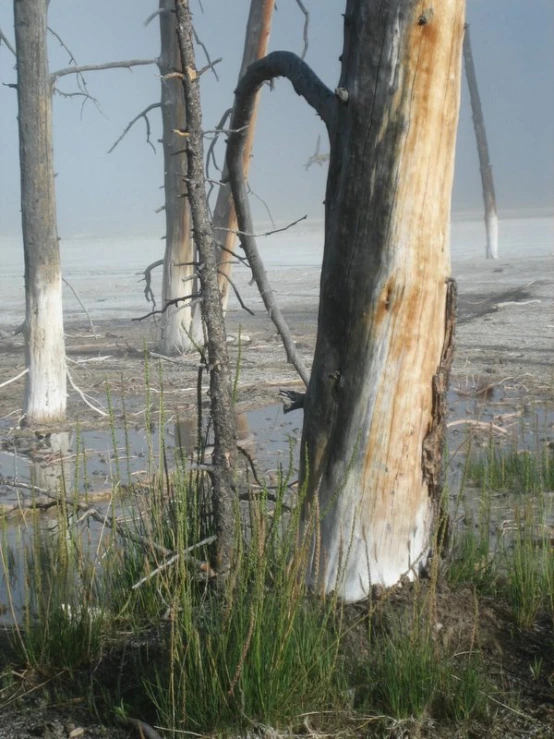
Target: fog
{"points": [[116, 194]]}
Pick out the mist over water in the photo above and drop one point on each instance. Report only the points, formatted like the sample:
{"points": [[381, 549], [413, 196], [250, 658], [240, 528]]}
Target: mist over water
{"points": [[106, 272]]}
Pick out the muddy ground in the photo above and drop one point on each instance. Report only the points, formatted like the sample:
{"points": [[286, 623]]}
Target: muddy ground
{"points": [[505, 336]]}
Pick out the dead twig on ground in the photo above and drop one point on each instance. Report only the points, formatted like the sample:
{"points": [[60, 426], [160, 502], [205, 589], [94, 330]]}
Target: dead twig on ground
{"points": [[14, 379]]}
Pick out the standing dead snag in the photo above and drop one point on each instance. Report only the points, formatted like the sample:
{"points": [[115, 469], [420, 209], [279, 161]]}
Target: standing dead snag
{"points": [[255, 47], [45, 383], [221, 399], [178, 330], [485, 166], [372, 416]]}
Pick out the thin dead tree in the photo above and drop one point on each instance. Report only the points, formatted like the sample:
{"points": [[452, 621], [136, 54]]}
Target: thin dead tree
{"points": [[225, 222], [485, 166], [374, 408], [221, 396], [45, 381], [180, 324], [180, 327], [45, 384]]}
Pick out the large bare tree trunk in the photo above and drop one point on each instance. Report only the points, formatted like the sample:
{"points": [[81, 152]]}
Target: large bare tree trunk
{"points": [[178, 331], [374, 409], [485, 166], [372, 425], [221, 397], [255, 47], [45, 389]]}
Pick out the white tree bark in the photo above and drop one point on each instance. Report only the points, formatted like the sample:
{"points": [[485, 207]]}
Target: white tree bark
{"points": [[180, 324], [45, 388]]}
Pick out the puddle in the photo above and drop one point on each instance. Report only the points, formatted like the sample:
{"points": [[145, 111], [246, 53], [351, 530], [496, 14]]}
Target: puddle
{"points": [[87, 462]]}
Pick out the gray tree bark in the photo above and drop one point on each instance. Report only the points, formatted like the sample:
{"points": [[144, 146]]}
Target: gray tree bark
{"points": [[485, 166], [221, 397], [374, 408], [178, 331], [45, 386]]}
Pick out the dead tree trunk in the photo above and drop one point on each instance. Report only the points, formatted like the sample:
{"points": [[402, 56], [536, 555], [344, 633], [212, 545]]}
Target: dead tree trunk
{"points": [[178, 331], [485, 166], [223, 416], [373, 427], [255, 47], [45, 387]]}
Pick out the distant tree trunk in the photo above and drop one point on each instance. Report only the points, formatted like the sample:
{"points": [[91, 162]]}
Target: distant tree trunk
{"points": [[489, 197], [45, 389], [178, 331], [374, 409], [255, 47], [221, 396]]}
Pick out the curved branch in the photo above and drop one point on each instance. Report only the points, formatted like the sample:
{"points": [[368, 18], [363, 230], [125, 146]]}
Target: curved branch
{"points": [[96, 67], [142, 114], [320, 97], [305, 81]]}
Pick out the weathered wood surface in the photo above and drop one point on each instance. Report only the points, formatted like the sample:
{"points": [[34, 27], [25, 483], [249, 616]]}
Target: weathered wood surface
{"points": [[45, 384], [176, 326], [485, 166], [255, 47], [386, 266]]}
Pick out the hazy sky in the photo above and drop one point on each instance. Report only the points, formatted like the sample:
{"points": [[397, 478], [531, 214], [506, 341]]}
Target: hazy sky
{"points": [[101, 194]]}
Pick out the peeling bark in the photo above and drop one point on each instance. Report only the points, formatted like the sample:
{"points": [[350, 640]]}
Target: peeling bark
{"points": [[485, 166], [372, 412], [374, 408], [45, 386]]}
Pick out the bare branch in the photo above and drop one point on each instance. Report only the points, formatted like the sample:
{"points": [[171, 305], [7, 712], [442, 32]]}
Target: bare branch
{"points": [[129, 64], [175, 301], [211, 148], [304, 80], [84, 397], [147, 277], [306, 26], [92, 327], [206, 54], [81, 81], [4, 38], [307, 84], [242, 259], [157, 12], [316, 157], [266, 233], [142, 114], [79, 94], [64, 46], [13, 379], [263, 202], [235, 290]]}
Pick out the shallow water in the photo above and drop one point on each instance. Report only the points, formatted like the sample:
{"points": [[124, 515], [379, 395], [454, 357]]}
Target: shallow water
{"points": [[87, 463]]}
